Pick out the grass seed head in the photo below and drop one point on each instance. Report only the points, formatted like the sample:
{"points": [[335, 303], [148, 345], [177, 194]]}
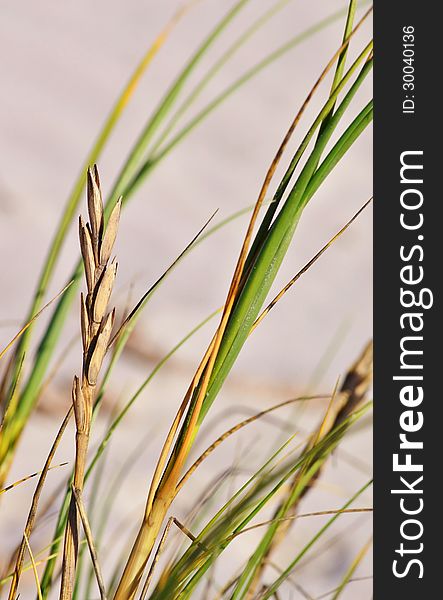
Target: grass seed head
{"points": [[96, 321]]}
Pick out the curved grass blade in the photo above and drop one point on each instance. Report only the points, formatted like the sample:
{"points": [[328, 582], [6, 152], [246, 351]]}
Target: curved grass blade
{"points": [[277, 583], [318, 513], [350, 572], [34, 505], [277, 242], [31, 321], [235, 429], [27, 478]]}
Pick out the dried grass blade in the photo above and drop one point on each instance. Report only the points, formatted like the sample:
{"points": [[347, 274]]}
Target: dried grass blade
{"points": [[90, 541], [34, 505], [236, 428], [34, 568], [307, 266], [127, 321], [28, 477]]}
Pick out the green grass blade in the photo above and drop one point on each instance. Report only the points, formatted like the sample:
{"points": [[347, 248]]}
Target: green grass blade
{"points": [[322, 118], [342, 146], [277, 583], [214, 70], [137, 152], [153, 159], [277, 243], [342, 58]]}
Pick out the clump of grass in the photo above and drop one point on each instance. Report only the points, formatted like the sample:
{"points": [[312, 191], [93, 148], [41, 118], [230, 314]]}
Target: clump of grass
{"points": [[346, 401], [286, 476], [247, 293]]}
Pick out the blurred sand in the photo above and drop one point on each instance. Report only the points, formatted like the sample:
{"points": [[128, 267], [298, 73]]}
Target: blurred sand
{"points": [[62, 66]]}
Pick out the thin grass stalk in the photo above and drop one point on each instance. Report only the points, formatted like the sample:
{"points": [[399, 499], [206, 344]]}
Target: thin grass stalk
{"points": [[33, 510], [27, 478], [224, 436], [96, 244], [270, 591], [94, 497], [352, 568], [91, 544], [34, 567], [25, 327], [306, 267]]}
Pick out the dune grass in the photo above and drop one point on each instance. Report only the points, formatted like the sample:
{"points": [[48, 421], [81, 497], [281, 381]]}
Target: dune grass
{"points": [[285, 478]]}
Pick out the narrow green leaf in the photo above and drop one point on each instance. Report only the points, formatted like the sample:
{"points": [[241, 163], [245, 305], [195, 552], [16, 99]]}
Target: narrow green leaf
{"points": [[277, 583]]}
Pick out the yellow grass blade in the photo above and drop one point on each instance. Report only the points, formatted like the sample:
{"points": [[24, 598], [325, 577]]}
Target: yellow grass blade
{"points": [[34, 568]]}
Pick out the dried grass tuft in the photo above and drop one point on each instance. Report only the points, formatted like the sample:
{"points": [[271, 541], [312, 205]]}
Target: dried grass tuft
{"points": [[96, 243]]}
